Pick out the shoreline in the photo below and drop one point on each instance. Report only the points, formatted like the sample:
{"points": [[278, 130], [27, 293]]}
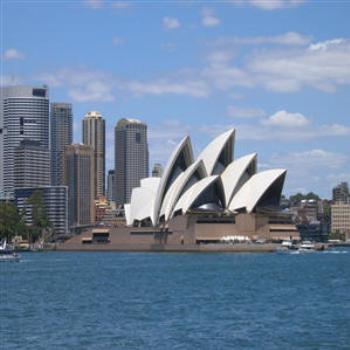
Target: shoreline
{"points": [[239, 248]]}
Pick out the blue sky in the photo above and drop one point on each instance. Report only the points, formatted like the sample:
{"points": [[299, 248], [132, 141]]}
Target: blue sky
{"points": [[278, 71]]}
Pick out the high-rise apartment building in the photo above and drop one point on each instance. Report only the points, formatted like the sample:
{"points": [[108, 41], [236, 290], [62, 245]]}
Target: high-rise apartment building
{"points": [[341, 193], [24, 114], [340, 219], [111, 185], [131, 157], [61, 132], [31, 165], [78, 176], [55, 200], [94, 135]]}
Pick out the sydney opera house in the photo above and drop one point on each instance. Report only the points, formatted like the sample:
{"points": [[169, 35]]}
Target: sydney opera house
{"points": [[205, 199]]}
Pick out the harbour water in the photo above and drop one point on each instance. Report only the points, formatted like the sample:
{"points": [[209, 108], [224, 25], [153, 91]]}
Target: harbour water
{"points": [[75, 300]]}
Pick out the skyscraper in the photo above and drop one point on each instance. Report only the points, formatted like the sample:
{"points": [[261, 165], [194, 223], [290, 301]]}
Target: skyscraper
{"points": [[61, 131], [341, 193], [94, 136], [111, 185], [31, 165], [157, 170], [24, 114], [78, 176], [131, 157]]}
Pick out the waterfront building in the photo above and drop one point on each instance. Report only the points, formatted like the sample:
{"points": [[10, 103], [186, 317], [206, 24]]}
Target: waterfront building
{"points": [[111, 185], [157, 170], [202, 200], [94, 136], [131, 157], [78, 176], [24, 114], [55, 199], [31, 164], [340, 218], [61, 132], [341, 193]]}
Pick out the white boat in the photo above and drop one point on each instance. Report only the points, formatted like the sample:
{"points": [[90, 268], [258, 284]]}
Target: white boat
{"points": [[307, 246], [7, 253]]}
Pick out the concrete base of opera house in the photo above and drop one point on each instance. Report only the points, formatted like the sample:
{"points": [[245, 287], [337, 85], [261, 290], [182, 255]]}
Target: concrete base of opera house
{"points": [[193, 233]]}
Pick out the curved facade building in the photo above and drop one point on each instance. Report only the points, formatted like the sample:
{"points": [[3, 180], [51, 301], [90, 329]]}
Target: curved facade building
{"points": [[24, 115], [215, 183]]}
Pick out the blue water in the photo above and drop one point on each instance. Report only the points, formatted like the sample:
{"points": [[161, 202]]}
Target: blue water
{"points": [[59, 300]]}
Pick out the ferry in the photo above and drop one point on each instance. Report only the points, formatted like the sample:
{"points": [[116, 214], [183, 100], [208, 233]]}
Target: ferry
{"points": [[7, 253], [307, 246]]}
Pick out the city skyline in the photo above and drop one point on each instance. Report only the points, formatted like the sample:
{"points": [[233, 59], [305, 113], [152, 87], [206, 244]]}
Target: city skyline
{"points": [[200, 65]]}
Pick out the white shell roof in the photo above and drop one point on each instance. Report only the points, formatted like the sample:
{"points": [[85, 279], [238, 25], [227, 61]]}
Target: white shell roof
{"points": [[189, 197], [150, 182], [232, 175], [142, 203], [127, 209], [177, 187], [251, 192], [183, 146], [212, 152]]}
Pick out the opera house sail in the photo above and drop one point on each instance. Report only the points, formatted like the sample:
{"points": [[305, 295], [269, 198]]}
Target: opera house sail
{"points": [[214, 188]]}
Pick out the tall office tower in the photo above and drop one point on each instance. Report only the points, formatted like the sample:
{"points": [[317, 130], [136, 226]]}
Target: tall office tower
{"points": [[55, 201], [78, 172], [61, 132], [94, 135], [111, 185], [24, 114], [131, 157], [341, 193], [31, 165], [157, 170]]}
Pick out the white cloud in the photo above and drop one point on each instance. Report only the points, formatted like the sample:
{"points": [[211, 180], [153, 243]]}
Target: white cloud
{"points": [[286, 119], [121, 5], [309, 169], [94, 4], [83, 84], [171, 23], [209, 19], [6, 80], [323, 66], [268, 4], [324, 45], [312, 159], [239, 112], [194, 88], [288, 39], [13, 54], [117, 40], [99, 4], [93, 92]]}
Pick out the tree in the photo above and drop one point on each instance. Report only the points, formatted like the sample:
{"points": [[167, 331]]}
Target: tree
{"points": [[40, 220], [296, 198], [11, 222]]}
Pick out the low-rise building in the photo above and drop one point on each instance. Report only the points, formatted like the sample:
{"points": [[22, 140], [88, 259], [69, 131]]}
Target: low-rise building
{"points": [[55, 200]]}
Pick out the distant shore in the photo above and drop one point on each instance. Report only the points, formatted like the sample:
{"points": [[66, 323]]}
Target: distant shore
{"points": [[203, 248]]}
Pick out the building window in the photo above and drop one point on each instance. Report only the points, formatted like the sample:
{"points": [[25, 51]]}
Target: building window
{"points": [[39, 92], [138, 137]]}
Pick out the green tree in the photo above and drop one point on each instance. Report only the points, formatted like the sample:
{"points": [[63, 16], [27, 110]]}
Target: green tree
{"points": [[41, 223], [11, 222], [296, 198]]}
